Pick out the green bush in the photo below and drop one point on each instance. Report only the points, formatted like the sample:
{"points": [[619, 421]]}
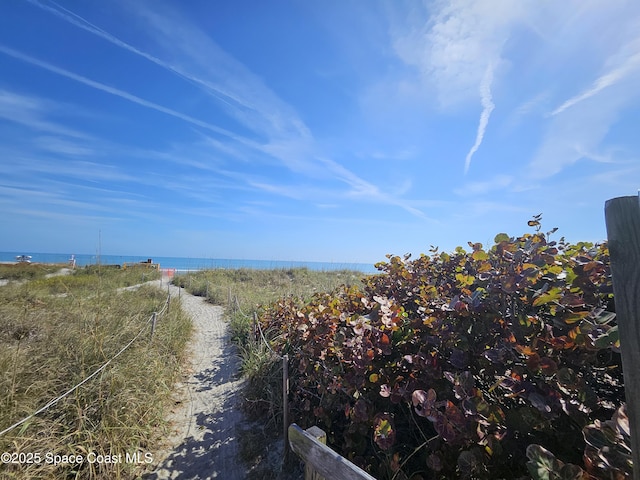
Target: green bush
{"points": [[463, 365]]}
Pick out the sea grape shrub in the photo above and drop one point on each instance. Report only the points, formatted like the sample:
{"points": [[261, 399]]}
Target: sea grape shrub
{"points": [[453, 365]]}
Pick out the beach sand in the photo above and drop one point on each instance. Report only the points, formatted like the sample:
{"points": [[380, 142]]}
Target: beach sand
{"points": [[207, 419]]}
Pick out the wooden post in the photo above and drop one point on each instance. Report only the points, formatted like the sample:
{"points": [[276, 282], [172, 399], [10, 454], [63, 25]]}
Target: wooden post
{"points": [[285, 405], [622, 216], [153, 325], [255, 327]]}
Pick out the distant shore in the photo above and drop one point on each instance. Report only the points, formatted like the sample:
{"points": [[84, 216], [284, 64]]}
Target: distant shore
{"points": [[185, 264]]}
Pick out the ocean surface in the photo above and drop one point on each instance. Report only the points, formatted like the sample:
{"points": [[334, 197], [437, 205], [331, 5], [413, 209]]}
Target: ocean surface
{"points": [[186, 264]]}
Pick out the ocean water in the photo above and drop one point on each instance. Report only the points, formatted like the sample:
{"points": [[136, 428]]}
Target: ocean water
{"points": [[186, 264]]}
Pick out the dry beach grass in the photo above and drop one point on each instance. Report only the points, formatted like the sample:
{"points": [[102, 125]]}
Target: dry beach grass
{"points": [[56, 331]]}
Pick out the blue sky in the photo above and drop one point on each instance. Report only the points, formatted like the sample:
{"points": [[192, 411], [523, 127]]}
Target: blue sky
{"points": [[312, 130]]}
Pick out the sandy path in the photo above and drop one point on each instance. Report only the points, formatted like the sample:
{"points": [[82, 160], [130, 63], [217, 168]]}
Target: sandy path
{"points": [[204, 424]]}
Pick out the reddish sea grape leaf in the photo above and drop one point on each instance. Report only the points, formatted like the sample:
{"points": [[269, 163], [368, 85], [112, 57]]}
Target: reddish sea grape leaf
{"points": [[424, 402]]}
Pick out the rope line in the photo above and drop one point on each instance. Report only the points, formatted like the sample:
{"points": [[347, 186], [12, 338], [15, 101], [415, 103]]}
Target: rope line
{"points": [[264, 339], [56, 400], [267, 343], [240, 309]]}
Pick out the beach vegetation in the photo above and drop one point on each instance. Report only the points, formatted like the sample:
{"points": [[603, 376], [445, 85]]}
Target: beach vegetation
{"points": [[57, 331], [27, 271], [486, 362]]}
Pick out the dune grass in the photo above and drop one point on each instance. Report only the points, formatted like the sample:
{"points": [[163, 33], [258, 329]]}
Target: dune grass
{"points": [[55, 332], [27, 271]]}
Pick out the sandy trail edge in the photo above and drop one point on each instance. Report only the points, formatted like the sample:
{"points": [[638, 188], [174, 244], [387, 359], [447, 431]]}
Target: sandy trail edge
{"points": [[205, 422]]}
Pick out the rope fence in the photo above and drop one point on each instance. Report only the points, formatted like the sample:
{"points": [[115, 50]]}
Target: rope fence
{"points": [[49, 404]]}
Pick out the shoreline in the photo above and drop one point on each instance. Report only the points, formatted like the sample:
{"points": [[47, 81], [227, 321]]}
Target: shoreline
{"points": [[188, 264]]}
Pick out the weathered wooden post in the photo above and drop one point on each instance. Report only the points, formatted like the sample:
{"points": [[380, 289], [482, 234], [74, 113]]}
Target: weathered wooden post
{"points": [[153, 325], [622, 216], [254, 327], [285, 404]]}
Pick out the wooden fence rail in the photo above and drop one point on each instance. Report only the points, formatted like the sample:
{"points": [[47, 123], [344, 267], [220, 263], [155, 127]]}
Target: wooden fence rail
{"points": [[622, 216], [320, 461]]}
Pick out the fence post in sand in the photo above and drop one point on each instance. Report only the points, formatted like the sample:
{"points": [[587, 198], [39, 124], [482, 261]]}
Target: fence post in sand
{"points": [[622, 217], [153, 325], [255, 327], [285, 404]]}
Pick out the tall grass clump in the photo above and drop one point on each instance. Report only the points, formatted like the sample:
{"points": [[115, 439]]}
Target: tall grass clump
{"points": [[54, 333]]}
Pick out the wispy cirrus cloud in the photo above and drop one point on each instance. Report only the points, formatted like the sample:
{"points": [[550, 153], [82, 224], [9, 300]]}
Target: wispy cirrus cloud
{"points": [[578, 127], [191, 54], [199, 60], [628, 63], [499, 182], [218, 74], [114, 91], [32, 112]]}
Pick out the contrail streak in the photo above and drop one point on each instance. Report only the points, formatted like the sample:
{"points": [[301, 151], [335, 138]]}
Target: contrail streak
{"points": [[119, 93], [80, 22], [487, 108]]}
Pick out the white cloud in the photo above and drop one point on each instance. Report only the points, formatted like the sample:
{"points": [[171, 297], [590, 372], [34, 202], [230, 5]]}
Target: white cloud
{"points": [[578, 127], [499, 182], [452, 49], [31, 112], [62, 146], [457, 47], [574, 133]]}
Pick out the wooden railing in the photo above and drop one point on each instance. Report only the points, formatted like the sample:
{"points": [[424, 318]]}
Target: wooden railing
{"points": [[320, 461]]}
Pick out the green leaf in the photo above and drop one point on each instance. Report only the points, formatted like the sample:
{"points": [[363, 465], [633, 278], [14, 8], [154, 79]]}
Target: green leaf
{"points": [[550, 296], [501, 237], [611, 339], [480, 255], [541, 462]]}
